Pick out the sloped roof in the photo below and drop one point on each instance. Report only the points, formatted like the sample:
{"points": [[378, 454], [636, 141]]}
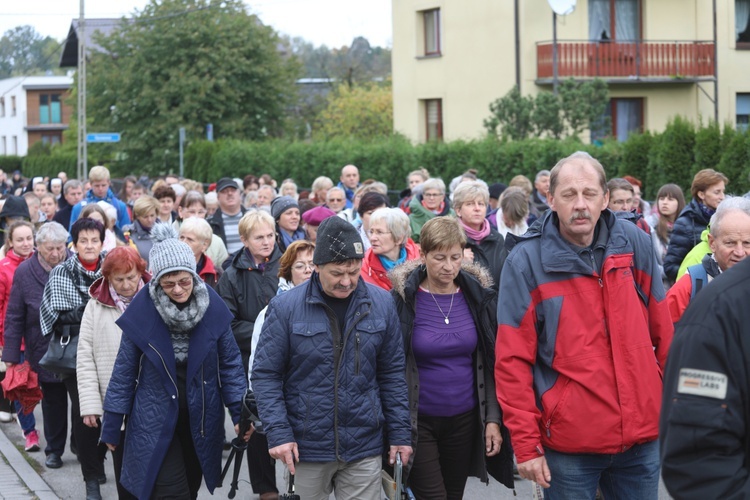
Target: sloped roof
{"points": [[70, 49]]}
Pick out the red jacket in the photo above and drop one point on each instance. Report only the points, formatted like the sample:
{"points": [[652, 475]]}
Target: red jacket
{"points": [[8, 268], [373, 271], [580, 356]]}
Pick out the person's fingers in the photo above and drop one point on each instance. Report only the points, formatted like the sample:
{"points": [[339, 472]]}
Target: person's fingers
{"points": [[295, 450], [289, 461]]}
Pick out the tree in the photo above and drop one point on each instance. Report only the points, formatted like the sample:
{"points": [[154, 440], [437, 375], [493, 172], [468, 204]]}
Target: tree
{"points": [[583, 103], [363, 112], [546, 115], [25, 52], [188, 63], [512, 113]]}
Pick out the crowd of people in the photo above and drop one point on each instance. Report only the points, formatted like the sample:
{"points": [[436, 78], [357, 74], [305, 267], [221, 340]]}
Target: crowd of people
{"points": [[469, 328]]}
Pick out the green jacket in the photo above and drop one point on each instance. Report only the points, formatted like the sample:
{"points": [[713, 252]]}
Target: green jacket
{"points": [[695, 256], [419, 215]]}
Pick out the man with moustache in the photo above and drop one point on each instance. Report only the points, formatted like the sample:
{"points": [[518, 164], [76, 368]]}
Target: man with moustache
{"points": [[329, 377], [583, 336]]}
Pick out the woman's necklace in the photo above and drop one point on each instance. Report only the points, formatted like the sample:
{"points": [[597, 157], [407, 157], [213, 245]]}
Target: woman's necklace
{"points": [[447, 321]]}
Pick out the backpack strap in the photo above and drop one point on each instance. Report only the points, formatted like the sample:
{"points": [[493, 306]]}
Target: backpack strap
{"points": [[699, 278]]}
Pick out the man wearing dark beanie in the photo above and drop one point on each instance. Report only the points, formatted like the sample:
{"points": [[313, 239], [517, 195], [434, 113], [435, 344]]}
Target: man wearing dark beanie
{"points": [[328, 374]]}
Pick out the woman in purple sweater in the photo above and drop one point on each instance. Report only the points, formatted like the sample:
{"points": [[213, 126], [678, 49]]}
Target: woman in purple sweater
{"points": [[449, 319]]}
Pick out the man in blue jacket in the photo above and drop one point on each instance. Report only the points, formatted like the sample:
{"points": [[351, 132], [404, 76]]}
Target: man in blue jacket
{"points": [[101, 191], [329, 375]]}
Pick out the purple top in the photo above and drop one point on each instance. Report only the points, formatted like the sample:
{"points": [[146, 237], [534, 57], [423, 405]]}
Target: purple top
{"points": [[444, 354]]}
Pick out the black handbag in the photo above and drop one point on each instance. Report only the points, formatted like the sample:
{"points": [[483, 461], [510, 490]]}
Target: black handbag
{"points": [[62, 351]]}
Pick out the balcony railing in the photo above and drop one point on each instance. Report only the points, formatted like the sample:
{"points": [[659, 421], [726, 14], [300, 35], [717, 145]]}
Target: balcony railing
{"points": [[627, 60]]}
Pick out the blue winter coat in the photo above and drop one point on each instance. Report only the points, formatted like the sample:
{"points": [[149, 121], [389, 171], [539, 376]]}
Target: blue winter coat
{"points": [[686, 233], [332, 411], [123, 217], [143, 387]]}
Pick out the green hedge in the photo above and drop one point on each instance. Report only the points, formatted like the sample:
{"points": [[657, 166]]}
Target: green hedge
{"points": [[42, 165], [10, 163]]}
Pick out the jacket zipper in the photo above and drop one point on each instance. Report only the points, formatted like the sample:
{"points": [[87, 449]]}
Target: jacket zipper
{"points": [[177, 391], [356, 358], [337, 365], [203, 403]]}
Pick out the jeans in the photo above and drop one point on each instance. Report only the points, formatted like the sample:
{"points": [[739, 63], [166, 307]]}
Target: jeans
{"points": [[632, 474]]}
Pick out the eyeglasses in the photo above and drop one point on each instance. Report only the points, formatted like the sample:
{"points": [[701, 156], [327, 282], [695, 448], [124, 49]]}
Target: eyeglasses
{"points": [[373, 232], [302, 266], [433, 195], [183, 283], [335, 200]]}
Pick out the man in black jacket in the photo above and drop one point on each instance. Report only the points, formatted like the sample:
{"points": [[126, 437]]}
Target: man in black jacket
{"points": [[706, 403]]}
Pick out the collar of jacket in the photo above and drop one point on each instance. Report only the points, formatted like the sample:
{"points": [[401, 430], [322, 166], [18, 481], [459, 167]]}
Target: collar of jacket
{"points": [[243, 261], [474, 279], [99, 290]]}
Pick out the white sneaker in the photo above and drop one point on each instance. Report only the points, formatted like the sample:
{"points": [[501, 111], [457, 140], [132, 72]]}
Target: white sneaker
{"points": [[6, 417]]}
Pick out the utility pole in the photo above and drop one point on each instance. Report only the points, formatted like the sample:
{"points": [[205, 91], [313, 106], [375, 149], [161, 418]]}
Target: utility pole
{"points": [[82, 170]]}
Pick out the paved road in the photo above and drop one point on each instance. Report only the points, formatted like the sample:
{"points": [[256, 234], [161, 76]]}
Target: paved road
{"points": [[67, 481]]}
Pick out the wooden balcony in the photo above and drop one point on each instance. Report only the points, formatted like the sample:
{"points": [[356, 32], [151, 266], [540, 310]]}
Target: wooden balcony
{"points": [[638, 61]]}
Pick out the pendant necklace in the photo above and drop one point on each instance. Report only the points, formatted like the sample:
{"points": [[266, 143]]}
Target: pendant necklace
{"points": [[445, 316]]}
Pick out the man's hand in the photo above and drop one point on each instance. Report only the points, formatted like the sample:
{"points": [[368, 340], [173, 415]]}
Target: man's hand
{"points": [[287, 453], [493, 440], [111, 446], [536, 470], [468, 255], [405, 452], [90, 420]]}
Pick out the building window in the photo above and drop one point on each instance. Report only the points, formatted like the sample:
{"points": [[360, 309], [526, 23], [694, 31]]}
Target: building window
{"points": [[15, 145], [431, 22], [742, 23], [12, 105], [743, 112], [2, 107], [615, 19], [434, 119], [622, 118], [49, 109], [50, 139]]}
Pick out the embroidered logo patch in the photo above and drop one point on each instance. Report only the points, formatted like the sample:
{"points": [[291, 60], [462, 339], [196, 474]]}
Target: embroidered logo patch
{"points": [[703, 383], [358, 248]]}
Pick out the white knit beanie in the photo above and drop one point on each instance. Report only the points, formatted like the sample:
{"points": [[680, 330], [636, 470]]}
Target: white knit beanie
{"points": [[168, 254]]}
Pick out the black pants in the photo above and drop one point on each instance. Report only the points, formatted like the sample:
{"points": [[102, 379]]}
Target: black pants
{"points": [[91, 453], [260, 465], [55, 416], [443, 455], [180, 475]]}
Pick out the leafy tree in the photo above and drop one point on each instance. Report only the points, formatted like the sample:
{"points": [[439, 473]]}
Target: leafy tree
{"points": [[23, 51], [707, 147], [512, 113], [187, 63], [583, 103], [362, 112], [546, 115]]}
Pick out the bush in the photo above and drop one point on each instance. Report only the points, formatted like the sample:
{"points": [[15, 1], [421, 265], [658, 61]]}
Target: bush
{"points": [[673, 156], [10, 163], [49, 165], [707, 147], [735, 163], [635, 156]]}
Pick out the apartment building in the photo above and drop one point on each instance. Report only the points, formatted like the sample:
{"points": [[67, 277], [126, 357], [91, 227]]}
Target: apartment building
{"points": [[32, 109], [661, 58]]}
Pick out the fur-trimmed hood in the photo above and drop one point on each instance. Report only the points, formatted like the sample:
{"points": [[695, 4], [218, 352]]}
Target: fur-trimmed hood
{"points": [[400, 274]]}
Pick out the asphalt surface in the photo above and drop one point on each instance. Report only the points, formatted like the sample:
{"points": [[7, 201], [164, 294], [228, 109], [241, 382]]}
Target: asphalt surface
{"points": [[67, 482]]}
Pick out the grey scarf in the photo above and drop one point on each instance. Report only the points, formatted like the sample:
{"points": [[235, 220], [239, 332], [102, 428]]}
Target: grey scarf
{"points": [[180, 320]]}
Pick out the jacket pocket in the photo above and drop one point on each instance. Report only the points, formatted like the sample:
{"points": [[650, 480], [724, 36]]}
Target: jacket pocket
{"points": [[555, 407], [698, 424]]}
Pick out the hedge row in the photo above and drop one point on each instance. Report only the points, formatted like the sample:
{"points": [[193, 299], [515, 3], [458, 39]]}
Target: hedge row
{"points": [[42, 165], [10, 163], [674, 155]]}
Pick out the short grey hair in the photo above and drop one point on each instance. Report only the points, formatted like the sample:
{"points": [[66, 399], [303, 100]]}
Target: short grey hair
{"points": [[469, 191], [728, 205], [335, 188], [266, 187], [322, 182], [72, 184], [434, 183], [578, 156], [540, 174], [198, 226], [52, 232], [395, 220]]}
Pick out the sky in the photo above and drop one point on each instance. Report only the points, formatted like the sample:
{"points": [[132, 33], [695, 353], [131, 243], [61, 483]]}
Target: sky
{"points": [[334, 23]]}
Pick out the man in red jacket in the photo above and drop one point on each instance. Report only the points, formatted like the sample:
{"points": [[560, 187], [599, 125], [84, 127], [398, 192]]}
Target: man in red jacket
{"points": [[583, 337]]}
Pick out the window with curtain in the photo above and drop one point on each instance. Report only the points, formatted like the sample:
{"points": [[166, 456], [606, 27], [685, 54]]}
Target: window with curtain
{"points": [[614, 20], [742, 21], [431, 20], [743, 112], [44, 109], [622, 117], [50, 109], [434, 117]]}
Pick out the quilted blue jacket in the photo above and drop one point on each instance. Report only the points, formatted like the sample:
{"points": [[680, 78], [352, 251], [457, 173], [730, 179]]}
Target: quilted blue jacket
{"points": [[333, 411], [143, 388]]}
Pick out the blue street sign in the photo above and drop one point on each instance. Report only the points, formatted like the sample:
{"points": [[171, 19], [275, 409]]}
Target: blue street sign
{"points": [[104, 137]]}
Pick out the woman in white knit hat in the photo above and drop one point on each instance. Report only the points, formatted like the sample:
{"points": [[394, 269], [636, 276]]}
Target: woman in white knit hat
{"points": [[178, 366]]}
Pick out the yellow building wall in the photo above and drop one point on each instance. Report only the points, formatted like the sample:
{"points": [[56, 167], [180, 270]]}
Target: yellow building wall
{"points": [[478, 61]]}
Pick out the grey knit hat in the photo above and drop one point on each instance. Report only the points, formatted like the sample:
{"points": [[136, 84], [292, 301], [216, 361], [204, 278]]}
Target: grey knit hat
{"points": [[337, 241], [282, 204], [168, 254]]}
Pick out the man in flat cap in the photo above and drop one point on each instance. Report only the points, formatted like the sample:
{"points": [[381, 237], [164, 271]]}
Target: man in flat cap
{"points": [[328, 374]]}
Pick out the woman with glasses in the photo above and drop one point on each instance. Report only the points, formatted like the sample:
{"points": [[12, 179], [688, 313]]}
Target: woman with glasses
{"points": [[197, 233], [177, 367], [390, 245], [430, 202], [247, 286], [295, 267], [367, 206], [193, 204]]}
